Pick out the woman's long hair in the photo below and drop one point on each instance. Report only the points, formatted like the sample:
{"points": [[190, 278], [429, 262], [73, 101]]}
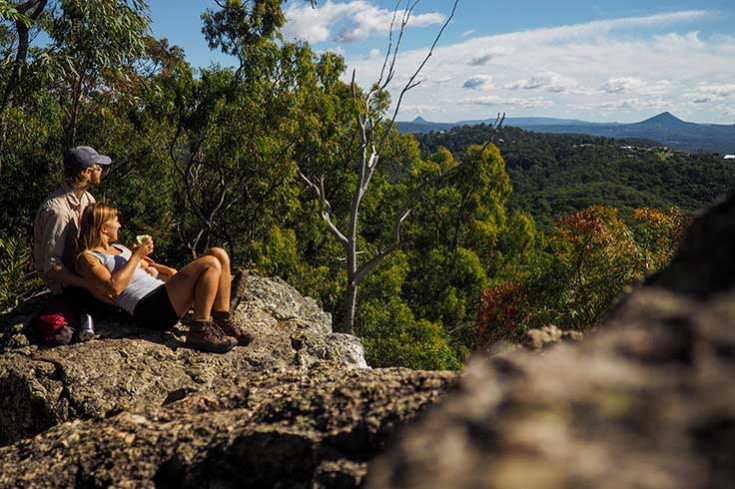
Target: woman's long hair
{"points": [[90, 227]]}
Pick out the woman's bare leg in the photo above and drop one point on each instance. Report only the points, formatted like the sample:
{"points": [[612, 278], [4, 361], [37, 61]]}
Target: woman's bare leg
{"points": [[197, 282], [222, 300]]}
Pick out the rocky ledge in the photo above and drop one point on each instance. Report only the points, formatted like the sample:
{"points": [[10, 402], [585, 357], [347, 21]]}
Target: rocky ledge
{"points": [[127, 366]]}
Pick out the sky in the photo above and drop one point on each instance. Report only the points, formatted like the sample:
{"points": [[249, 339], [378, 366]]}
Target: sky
{"points": [[601, 61]]}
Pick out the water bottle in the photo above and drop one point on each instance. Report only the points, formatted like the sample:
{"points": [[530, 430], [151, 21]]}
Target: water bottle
{"points": [[87, 331]]}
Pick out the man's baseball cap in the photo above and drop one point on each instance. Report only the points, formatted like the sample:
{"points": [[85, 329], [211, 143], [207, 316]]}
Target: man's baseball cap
{"points": [[82, 157]]}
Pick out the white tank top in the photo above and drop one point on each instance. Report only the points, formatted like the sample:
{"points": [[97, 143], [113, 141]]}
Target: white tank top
{"points": [[140, 285]]}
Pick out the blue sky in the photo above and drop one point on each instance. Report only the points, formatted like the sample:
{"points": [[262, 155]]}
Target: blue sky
{"points": [[618, 60]]}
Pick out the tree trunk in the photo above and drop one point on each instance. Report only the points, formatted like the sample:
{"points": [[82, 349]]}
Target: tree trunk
{"points": [[71, 134], [348, 321]]}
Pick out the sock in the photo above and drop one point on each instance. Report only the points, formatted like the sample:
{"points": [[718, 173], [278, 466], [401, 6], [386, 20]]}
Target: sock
{"points": [[220, 315]]}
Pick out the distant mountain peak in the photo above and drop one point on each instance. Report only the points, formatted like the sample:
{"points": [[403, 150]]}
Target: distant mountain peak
{"points": [[420, 120], [665, 117]]}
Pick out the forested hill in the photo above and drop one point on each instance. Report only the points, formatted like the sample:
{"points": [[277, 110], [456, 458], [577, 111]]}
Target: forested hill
{"points": [[665, 128], [556, 174]]}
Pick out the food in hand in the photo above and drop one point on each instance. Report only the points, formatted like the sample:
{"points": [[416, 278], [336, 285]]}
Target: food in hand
{"points": [[142, 238]]}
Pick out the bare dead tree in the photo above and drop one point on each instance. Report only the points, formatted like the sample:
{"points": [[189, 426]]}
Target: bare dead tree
{"points": [[373, 135]]}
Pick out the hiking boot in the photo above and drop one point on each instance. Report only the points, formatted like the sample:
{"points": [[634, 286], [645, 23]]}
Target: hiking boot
{"points": [[207, 336], [228, 325], [239, 284]]}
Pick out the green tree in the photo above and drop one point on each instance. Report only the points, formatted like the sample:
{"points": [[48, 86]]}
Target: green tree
{"points": [[91, 40], [456, 231], [374, 131]]}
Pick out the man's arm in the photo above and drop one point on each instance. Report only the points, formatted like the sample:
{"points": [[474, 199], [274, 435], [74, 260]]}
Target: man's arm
{"points": [[59, 273], [51, 229]]}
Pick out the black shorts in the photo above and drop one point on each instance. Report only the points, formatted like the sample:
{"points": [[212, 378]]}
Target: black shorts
{"points": [[83, 301], [155, 310]]}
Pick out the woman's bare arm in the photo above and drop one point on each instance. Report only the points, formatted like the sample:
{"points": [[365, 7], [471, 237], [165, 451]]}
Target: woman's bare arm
{"points": [[100, 277], [163, 269]]}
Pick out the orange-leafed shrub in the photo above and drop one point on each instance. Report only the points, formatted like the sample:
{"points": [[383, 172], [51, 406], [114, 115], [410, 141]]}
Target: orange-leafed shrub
{"points": [[504, 312]]}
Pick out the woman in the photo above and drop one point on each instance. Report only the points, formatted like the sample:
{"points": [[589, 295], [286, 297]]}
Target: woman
{"points": [[205, 282]]}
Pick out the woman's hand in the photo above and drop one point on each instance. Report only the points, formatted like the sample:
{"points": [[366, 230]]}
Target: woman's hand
{"points": [[144, 249], [152, 272]]}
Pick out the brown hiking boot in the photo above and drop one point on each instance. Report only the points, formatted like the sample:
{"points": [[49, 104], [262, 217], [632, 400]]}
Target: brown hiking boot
{"points": [[207, 336], [227, 324], [239, 284]]}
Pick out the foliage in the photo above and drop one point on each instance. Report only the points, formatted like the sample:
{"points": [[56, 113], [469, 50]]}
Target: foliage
{"points": [[8, 11], [17, 279], [557, 174], [455, 233], [505, 312], [392, 335], [588, 260], [658, 233]]}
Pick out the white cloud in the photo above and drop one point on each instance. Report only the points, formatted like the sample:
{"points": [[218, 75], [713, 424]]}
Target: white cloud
{"points": [[634, 103], [313, 24], [675, 42], [721, 90], [468, 32], [530, 84], [619, 84], [624, 68], [628, 84], [337, 50], [489, 54], [480, 82], [600, 27], [496, 101], [374, 53], [480, 60], [441, 79], [419, 109], [550, 81], [359, 20]]}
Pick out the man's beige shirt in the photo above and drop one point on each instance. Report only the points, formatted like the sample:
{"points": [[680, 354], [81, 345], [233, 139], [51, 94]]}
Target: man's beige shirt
{"points": [[56, 229]]}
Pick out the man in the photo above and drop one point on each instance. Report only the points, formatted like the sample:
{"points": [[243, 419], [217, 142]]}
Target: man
{"points": [[55, 233]]}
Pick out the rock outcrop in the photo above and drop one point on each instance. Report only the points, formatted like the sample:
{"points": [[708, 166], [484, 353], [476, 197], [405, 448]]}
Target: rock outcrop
{"points": [[287, 427], [646, 401], [129, 366], [539, 339]]}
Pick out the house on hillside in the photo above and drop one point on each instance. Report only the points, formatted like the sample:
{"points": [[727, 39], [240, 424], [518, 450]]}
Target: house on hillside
{"points": [[729, 157]]}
